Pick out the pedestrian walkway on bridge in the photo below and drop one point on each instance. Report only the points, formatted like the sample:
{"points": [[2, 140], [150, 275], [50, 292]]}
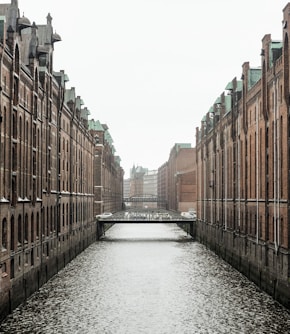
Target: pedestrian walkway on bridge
{"points": [[147, 215]]}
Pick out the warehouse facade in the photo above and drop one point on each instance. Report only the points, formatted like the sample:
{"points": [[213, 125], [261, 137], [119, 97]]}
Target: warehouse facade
{"points": [[243, 156], [47, 161]]}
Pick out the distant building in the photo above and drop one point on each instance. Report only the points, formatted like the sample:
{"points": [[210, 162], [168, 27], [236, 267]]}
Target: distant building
{"points": [[142, 183], [177, 178], [108, 174], [150, 182], [150, 187], [126, 188], [136, 184], [162, 185]]}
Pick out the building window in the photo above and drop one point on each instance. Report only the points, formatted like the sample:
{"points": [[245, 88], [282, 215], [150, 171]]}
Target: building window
{"points": [[35, 107], [19, 231], [12, 234], [4, 234], [37, 225], [16, 92], [26, 229], [14, 125], [12, 274], [32, 228], [14, 191]]}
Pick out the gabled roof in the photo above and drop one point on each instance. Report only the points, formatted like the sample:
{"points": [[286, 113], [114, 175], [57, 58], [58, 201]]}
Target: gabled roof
{"points": [[228, 103], [70, 95], [254, 76], [95, 125]]}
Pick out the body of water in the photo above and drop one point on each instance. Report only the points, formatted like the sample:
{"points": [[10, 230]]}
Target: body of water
{"points": [[148, 279]]}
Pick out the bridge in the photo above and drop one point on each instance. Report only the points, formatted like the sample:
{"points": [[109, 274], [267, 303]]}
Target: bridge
{"points": [[144, 198], [147, 216]]}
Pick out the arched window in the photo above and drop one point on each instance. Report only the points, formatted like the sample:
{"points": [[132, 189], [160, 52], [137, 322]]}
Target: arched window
{"points": [[20, 129], [16, 91], [63, 215], [4, 234], [26, 229], [19, 231], [17, 64], [36, 81], [14, 125], [32, 228], [67, 214], [37, 225], [43, 222], [14, 191], [47, 222], [12, 233], [12, 273], [51, 220], [35, 107]]}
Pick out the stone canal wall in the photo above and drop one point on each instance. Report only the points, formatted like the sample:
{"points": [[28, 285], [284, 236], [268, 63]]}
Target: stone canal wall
{"points": [[259, 262], [16, 291]]}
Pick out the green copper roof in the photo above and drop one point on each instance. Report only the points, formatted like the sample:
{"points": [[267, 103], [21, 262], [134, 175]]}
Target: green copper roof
{"points": [[118, 160], [79, 103], [63, 77], [85, 113], [108, 137], [228, 103], [254, 75], [229, 86], [218, 100], [69, 95], [275, 51], [95, 125], [179, 146], [2, 26], [239, 86], [276, 45]]}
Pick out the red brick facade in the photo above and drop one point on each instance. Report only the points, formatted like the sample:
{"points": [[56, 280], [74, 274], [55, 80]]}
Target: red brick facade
{"points": [[108, 175], [243, 169], [176, 178], [47, 210]]}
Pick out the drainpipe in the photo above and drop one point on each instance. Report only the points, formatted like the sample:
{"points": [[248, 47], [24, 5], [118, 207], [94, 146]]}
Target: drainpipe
{"points": [[226, 182], [218, 184], [239, 172], [1, 120], [257, 172], [212, 187], [275, 168], [204, 190], [278, 166]]}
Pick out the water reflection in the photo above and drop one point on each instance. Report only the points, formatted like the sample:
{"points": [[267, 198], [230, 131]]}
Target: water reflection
{"points": [[148, 279]]}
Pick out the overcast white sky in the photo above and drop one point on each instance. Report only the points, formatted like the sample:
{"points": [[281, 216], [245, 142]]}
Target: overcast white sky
{"points": [[150, 69]]}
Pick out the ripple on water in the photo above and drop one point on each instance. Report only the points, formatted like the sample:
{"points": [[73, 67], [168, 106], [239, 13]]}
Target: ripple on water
{"points": [[146, 279]]}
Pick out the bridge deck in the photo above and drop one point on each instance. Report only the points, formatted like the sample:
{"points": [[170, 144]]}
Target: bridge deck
{"points": [[139, 221]]}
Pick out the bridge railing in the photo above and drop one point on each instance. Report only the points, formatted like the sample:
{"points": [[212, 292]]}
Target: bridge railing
{"points": [[144, 199]]}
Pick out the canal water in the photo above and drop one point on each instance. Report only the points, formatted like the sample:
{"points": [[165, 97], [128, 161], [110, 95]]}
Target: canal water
{"points": [[148, 279]]}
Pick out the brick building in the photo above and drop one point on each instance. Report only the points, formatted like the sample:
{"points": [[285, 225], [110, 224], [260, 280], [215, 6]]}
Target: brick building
{"points": [[47, 212], [108, 174], [150, 187], [137, 180], [243, 169], [140, 190], [162, 184], [177, 178]]}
